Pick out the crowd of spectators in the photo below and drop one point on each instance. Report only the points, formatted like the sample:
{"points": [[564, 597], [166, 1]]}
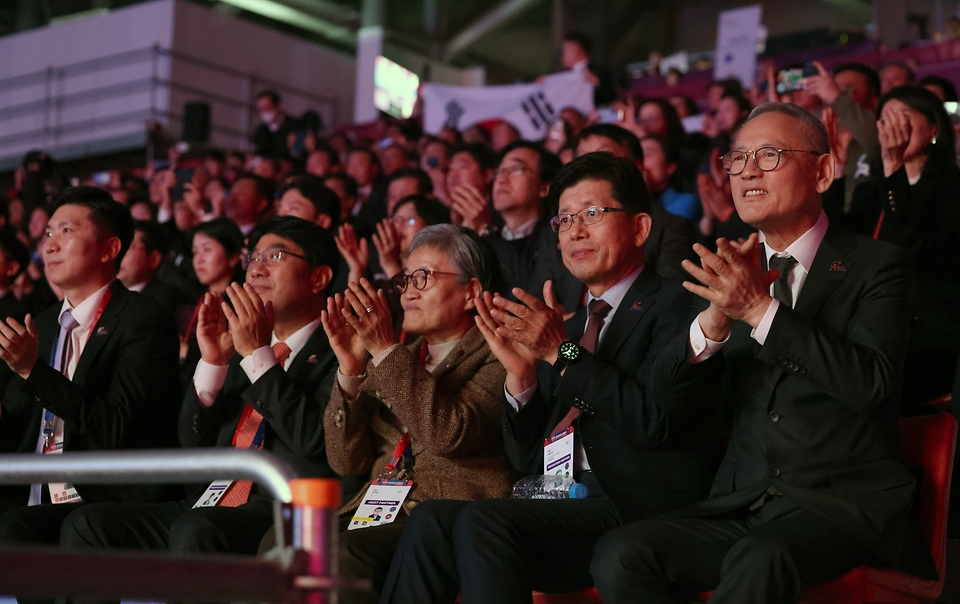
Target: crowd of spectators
{"points": [[892, 141]]}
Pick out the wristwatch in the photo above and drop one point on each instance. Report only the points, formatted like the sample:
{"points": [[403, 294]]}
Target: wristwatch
{"points": [[566, 354]]}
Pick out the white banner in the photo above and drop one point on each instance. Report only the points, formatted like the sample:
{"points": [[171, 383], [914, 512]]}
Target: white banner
{"points": [[738, 31], [531, 108]]}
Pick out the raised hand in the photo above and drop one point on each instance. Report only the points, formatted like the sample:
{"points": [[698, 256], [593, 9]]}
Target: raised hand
{"points": [[369, 315], [894, 131], [822, 85], [19, 345], [213, 336], [346, 344], [839, 140], [387, 243], [250, 320], [531, 323], [355, 253], [516, 358], [471, 208]]}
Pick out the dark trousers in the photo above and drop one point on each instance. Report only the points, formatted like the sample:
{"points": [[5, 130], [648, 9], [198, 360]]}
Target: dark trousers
{"points": [[169, 526], [768, 556], [38, 524], [366, 554], [496, 550]]}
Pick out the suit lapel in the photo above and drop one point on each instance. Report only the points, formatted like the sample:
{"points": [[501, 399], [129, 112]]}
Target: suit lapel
{"points": [[830, 266], [632, 308], [308, 356], [101, 332]]}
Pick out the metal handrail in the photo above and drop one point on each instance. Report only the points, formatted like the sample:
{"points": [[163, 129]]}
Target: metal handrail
{"points": [[151, 466]]}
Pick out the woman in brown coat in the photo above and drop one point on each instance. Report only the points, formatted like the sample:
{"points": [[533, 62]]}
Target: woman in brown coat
{"points": [[427, 411]]}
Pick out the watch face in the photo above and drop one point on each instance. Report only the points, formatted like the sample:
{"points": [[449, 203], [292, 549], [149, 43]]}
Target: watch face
{"points": [[569, 351]]}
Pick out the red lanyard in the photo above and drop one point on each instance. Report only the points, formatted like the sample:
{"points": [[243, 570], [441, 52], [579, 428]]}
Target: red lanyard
{"points": [[404, 441]]}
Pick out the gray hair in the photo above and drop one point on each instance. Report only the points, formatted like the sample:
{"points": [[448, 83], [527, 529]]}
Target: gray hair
{"points": [[473, 257], [811, 128]]}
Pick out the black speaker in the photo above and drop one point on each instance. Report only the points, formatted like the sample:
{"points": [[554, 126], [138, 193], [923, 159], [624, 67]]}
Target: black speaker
{"points": [[196, 122]]}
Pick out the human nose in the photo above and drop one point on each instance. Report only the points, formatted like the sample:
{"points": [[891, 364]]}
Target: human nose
{"points": [[751, 169]]}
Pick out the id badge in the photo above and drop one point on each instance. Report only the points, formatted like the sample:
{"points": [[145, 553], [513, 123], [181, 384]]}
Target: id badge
{"points": [[60, 492], [558, 454], [381, 503], [213, 494]]}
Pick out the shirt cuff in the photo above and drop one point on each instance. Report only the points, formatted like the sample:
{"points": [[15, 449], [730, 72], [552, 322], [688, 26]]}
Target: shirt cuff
{"points": [[763, 329], [350, 385], [517, 402], [208, 381], [701, 347], [259, 362], [379, 358]]}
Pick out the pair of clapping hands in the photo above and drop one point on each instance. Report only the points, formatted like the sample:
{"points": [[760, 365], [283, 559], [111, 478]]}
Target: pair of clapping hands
{"points": [[358, 325], [242, 325]]}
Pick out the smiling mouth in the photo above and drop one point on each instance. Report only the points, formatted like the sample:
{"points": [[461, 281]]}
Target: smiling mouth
{"points": [[754, 192]]}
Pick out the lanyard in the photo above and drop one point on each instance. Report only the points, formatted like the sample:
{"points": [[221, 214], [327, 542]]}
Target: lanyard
{"points": [[107, 295]]}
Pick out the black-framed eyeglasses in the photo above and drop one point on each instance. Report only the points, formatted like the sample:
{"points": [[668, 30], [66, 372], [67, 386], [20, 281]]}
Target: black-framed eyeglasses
{"points": [[418, 278], [268, 257], [587, 216], [766, 158]]}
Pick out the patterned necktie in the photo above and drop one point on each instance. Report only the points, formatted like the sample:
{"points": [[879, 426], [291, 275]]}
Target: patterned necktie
{"points": [[781, 288], [238, 492], [598, 310]]}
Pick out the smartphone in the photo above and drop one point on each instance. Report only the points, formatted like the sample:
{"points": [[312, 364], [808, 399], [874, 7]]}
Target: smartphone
{"points": [[299, 142], [789, 80], [184, 175], [609, 115], [102, 178]]}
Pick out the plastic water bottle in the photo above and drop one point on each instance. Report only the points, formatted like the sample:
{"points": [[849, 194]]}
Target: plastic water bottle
{"points": [[549, 487]]}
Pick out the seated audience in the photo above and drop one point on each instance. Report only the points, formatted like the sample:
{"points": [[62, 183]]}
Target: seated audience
{"points": [[263, 382], [250, 201], [895, 73], [497, 550], [138, 269], [660, 160], [468, 183], [807, 333], [427, 411]]}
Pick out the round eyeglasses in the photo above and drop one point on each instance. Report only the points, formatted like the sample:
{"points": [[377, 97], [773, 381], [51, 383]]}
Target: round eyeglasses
{"points": [[586, 216], [417, 278], [268, 257], [766, 158]]}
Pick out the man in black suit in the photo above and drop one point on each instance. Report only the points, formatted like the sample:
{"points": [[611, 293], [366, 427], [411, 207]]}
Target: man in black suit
{"points": [[813, 482], [138, 271], [111, 378], [267, 371], [670, 241], [271, 137], [637, 459]]}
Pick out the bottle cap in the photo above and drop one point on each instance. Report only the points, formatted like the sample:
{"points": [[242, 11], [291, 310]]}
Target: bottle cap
{"points": [[316, 492], [578, 491]]}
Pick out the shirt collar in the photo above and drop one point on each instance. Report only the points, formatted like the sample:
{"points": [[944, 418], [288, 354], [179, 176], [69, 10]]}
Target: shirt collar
{"points": [[85, 311], [804, 249], [614, 295], [299, 338], [139, 287], [523, 231]]}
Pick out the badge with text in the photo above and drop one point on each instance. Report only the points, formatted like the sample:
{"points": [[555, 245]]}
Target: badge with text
{"points": [[213, 494], [381, 503], [558, 454]]}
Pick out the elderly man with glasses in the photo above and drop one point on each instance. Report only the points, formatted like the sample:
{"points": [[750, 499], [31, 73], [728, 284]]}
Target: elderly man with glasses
{"points": [[576, 401], [263, 383], [803, 343]]}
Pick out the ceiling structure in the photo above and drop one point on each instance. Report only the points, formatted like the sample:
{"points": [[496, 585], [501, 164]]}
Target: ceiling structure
{"points": [[513, 39]]}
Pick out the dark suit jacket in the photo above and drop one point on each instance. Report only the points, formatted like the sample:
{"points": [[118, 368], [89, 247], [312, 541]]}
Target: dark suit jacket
{"points": [[520, 258], [815, 408], [605, 92], [167, 296], [123, 394], [292, 404], [646, 461]]}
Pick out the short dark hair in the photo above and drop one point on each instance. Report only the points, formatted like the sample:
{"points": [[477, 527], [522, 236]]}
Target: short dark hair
{"points": [[15, 249], [911, 75], [949, 90], [670, 150], [619, 135], [549, 163], [873, 78], [367, 151], [480, 153], [675, 127], [424, 184], [225, 232], [429, 209], [349, 184], [316, 242], [626, 181], [271, 94], [265, 188], [111, 217], [742, 103], [152, 236], [729, 85], [325, 201], [217, 155], [324, 147], [943, 154], [580, 39]]}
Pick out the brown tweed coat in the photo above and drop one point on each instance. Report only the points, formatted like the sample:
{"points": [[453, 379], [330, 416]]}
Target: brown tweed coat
{"points": [[451, 413]]}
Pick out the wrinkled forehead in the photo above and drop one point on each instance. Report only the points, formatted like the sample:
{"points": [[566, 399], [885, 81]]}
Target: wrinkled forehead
{"points": [[770, 130]]}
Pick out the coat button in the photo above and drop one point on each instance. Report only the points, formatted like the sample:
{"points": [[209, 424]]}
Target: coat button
{"points": [[774, 472], [774, 416]]}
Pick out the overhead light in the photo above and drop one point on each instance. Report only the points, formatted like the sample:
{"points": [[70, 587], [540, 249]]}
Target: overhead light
{"points": [[292, 16]]}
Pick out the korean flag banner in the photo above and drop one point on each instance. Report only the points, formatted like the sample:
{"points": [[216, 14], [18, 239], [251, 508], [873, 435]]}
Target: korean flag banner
{"points": [[531, 108]]}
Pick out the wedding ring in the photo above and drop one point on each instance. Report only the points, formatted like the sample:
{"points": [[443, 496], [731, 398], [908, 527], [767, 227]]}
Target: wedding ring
{"points": [[369, 309]]}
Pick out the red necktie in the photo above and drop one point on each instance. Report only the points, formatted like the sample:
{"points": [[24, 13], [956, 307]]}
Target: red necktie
{"points": [[238, 492]]}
